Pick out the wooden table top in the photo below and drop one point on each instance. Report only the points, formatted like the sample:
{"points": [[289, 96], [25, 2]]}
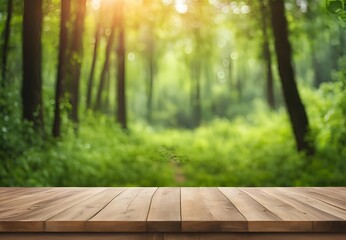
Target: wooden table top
{"points": [[173, 209]]}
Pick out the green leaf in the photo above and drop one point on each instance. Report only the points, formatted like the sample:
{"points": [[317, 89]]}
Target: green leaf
{"points": [[337, 7]]}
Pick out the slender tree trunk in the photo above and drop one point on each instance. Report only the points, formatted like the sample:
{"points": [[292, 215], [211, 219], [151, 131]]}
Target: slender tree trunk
{"points": [[105, 68], [196, 101], [239, 86], [106, 104], [230, 77], [96, 47], [59, 89], [75, 57], [151, 72], [268, 59], [7, 32], [121, 94], [342, 41], [151, 76], [294, 104], [32, 80]]}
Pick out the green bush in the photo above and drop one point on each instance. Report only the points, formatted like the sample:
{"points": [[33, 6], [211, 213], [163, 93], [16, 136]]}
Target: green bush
{"points": [[253, 150]]}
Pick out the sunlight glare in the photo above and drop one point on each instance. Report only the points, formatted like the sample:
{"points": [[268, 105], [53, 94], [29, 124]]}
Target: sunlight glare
{"points": [[303, 5], [95, 4], [181, 6], [245, 9], [131, 56], [234, 55], [167, 2]]}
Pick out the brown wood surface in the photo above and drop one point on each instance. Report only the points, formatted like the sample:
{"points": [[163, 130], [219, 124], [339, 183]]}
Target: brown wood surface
{"points": [[74, 219], [296, 220], [170, 212], [172, 236], [164, 214], [126, 213], [259, 218], [207, 209]]}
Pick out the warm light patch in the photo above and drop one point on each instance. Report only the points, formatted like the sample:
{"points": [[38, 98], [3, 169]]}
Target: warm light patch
{"points": [[95, 4], [181, 6]]}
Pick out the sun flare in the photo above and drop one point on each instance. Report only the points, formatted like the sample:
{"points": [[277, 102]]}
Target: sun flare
{"points": [[95, 4]]}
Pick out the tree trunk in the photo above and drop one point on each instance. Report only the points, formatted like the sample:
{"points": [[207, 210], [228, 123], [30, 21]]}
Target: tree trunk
{"points": [[7, 32], [295, 107], [106, 104], [267, 58], [96, 47], [151, 75], [196, 95], [239, 85], [121, 95], [32, 80], [105, 68], [75, 57], [59, 89]]}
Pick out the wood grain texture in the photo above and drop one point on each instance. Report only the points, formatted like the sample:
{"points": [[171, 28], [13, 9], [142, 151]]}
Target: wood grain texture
{"points": [[336, 199], [32, 218], [323, 221], [16, 193], [294, 220], [311, 201], [81, 236], [126, 213], [174, 213], [172, 236], [207, 209], [259, 218], [25, 199], [164, 213], [74, 219]]}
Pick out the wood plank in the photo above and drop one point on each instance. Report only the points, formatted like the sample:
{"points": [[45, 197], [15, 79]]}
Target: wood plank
{"points": [[32, 219], [339, 189], [37, 200], [27, 197], [207, 209], [205, 236], [81, 236], [172, 236], [294, 219], [179, 236], [7, 190], [323, 221], [296, 236], [16, 191], [164, 213], [192, 210], [316, 203], [127, 212], [254, 236], [260, 219], [332, 192], [21, 205], [331, 197], [74, 219]]}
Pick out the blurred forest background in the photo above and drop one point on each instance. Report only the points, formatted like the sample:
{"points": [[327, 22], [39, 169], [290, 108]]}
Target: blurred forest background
{"points": [[172, 93]]}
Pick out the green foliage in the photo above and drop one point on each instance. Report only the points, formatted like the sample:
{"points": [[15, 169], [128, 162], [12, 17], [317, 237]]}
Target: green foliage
{"points": [[253, 150], [240, 142], [337, 7]]}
